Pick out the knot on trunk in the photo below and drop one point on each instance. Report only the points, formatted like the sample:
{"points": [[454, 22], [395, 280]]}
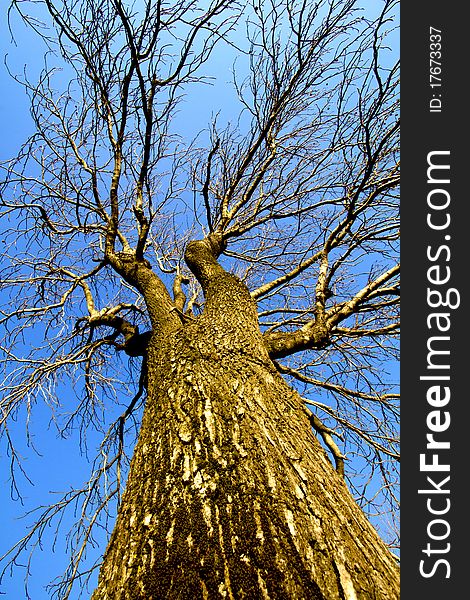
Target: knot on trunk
{"points": [[137, 344]]}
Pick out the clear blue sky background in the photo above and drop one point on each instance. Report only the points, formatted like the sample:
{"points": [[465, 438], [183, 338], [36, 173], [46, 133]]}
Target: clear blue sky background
{"points": [[57, 463], [16, 125]]}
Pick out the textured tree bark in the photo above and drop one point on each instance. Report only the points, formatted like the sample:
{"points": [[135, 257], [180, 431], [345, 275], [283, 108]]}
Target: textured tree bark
{"points": [[230, 495]]}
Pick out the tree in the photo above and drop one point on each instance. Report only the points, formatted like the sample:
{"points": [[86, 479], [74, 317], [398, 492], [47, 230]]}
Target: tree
{"points": [[245, 283]]}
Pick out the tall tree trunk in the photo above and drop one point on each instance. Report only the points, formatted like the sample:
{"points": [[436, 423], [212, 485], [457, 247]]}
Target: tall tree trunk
{"points": [[230, 495]]}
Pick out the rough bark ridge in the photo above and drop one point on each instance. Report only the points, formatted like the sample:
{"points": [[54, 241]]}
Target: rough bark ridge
{"points": [[230, 495]]}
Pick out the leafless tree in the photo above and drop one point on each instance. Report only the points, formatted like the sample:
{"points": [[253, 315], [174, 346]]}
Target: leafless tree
{"points": [[225, 308]]}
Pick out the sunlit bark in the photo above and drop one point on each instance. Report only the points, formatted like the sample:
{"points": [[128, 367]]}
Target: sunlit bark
{"points": [[230, 495]]}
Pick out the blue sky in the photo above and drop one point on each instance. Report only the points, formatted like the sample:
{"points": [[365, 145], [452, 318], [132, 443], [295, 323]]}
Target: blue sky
{"points": [[16, 126]]}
